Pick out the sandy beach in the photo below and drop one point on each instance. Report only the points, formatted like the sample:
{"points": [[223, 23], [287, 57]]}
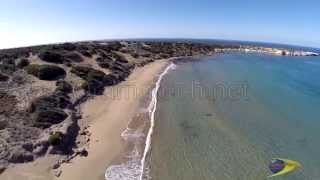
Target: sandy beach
{"points": [[106, 116], [109, 117]]}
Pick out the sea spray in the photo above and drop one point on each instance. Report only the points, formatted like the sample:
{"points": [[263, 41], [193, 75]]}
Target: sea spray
{"points": [[134, 168]]}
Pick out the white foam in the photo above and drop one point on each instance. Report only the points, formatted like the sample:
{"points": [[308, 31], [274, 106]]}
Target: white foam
{"points": [[152, 109], [132, 134], [134, 168], [129, 170]]}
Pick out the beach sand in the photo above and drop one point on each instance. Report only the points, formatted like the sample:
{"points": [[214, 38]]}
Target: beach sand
{"points": [[107, 116]]}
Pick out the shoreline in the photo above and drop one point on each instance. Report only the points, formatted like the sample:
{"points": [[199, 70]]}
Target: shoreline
{"points": [[106, 142], [152, 109]]}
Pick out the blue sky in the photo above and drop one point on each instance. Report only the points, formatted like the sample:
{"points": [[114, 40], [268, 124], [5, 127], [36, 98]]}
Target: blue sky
{"points": [[30, 22]]}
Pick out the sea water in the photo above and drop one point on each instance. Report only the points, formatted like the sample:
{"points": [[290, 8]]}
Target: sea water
{"points": [[225, 117]]}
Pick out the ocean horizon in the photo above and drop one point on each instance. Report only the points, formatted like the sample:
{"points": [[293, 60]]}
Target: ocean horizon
{"points": [[188, 40]]}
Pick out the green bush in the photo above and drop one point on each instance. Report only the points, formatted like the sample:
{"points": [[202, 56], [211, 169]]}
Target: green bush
{"points": [[73, 57], [44, 118], [86, 53], [104, 62], [46, 72], [55, 138], [88, 73], [51, 56], [93, 87], [64, 86]]}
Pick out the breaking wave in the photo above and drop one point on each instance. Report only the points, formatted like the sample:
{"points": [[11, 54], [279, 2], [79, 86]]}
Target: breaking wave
{"points": [[134, 168]]}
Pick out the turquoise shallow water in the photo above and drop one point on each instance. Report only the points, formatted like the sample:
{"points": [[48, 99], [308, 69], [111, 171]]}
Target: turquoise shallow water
{"points": [[225, 117]]}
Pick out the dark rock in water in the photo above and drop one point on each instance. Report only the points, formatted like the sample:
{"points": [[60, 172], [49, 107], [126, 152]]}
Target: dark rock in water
{"points": [[46, 72], [51, 56], [21, 63], [44, 118], [64, 86], [18, 156], [209, 114], [73, 57], [3, 78]]}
